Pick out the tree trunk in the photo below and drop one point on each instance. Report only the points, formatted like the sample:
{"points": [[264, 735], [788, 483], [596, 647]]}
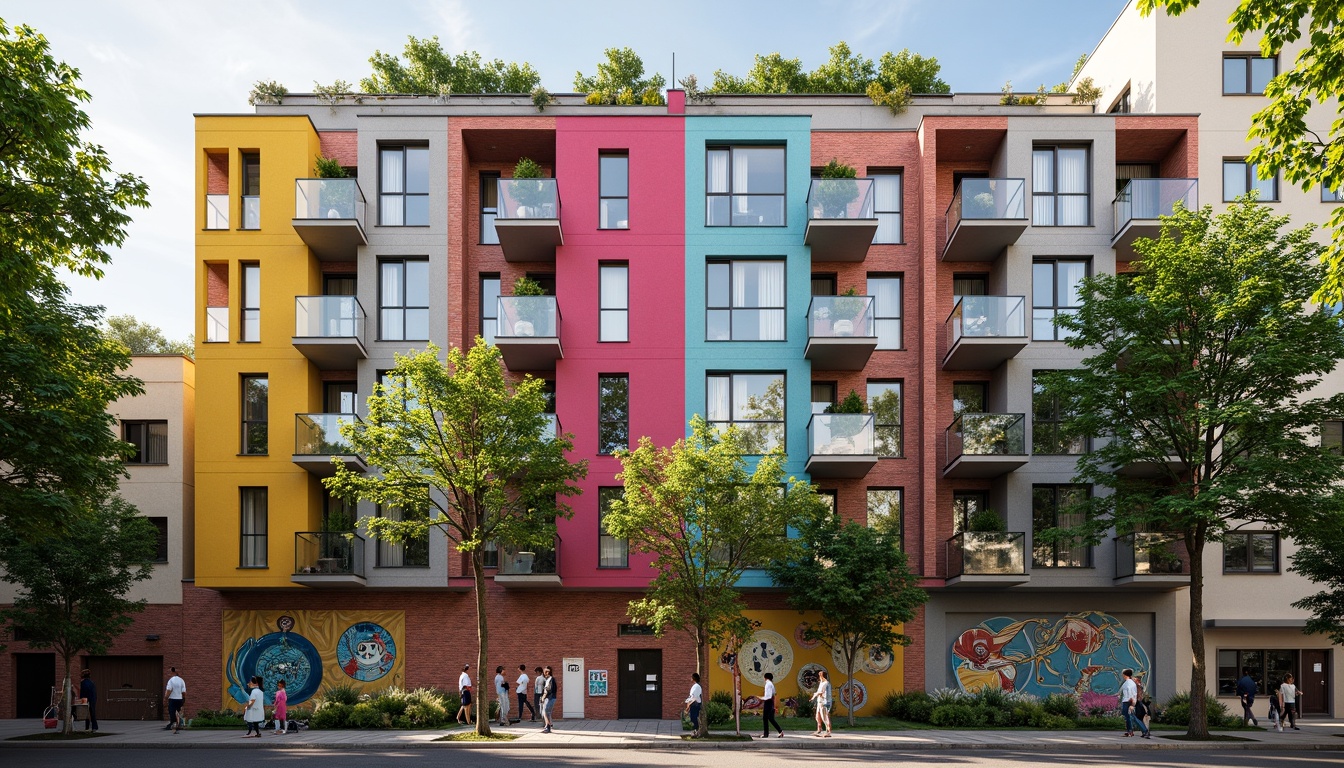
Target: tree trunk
{"points": [[67, 717], [850, 653], [1199, 720], [701, 727], [483, 641]]}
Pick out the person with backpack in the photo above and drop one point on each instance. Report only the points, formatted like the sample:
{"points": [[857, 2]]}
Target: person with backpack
{"points": [[550, 690], [1129, 696]]}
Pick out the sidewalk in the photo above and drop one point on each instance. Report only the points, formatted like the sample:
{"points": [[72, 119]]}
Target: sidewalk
{"points": [[1316, 734]]}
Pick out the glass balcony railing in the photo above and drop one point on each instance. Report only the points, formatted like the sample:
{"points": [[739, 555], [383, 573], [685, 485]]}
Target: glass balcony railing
{"points": [[841, 434], [327, 553], [986, 200], [987, 434], [216, 324], [987, 317], [831, 317], [528, 199], [528, 317], [515, 561], [319, 434], [251, 212], [987, 553], [1150, 554], [216, 211], [840, 199], [328, 317], [328, 199], [1151, 198]]}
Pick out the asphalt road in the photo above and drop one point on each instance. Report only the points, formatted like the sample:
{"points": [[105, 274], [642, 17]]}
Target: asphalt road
{"points": [[669, 758]]}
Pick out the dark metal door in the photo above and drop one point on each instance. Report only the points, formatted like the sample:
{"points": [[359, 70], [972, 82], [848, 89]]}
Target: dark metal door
{"points": [[34, 676], [129, 687], [639, 685], [1315, 687]]}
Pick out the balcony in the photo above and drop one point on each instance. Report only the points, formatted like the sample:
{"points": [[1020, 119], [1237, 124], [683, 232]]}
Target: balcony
{"points": [[841, 335], [1148, 466], [329, 216], [216, 211], [329, 331], [1152, 560], [840, 445], [985, 445], [328, 559], [528, 222], [984, 331], [521, 569], [987, 559], [986, 216], [528, 335], [840, 219], [317, 440], [1140, 204]]}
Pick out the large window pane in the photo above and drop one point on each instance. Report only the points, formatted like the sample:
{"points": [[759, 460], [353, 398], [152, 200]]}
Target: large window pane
{"points": [[885, 511], [253, 528], [256, 394], [744, 186], [886, 293], [613, 302], [884, 401], [611, 551], [752, 402], [887, 207], [744, 301], [614, 413]]}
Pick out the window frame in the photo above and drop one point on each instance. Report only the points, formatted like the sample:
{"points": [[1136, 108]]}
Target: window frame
{"points": [[730, 194], [734, 422], [388, 548], [243, 535], [602, 198], [604, 419], [879, 318], [251, 313], [1262, 671], [899, 425], [488, 180], [731, 264], [1056, 547], [1249, 551], [604, 495], [1052, 425], [1054, 194], [160, 523], [490, 308], [1249, 178], [900, 511], [1246, 59], [1332, 195], [899, 212], [403, 308], [405, 193], [603, 311], [961, 515], [247, 420], [1122, 104], [1055, 306], [139, 459], [247, 161]]}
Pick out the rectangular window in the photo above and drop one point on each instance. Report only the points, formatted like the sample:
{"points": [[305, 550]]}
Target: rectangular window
{"points": [[1046, 419], [1060, 192], [489, 207], [614, 302], [970, 285], [613, 425], [1055, 290], [251, 190], [1245, 74], [161, 538], [613, 190], [1122, 105], [411, 553], [823, 396], [1332, 195], [251, 302], [1265, 666], [884, 401], [969, 397], [1332, 436], [887, 207], [744, 301], [256, 393], [150, 439], [489, 307], [886, 292], [611, 551], [403, 186], [744, 187], [752, 402], [1240, 177], [1052, 507], [252, 544], [1251, 552], [403, 300], [966, 505], [885, 510]]}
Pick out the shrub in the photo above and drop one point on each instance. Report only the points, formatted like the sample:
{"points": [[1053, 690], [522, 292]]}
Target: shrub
{"points": [[1026, 714], [365, 716], [222, 718], [723, 697], [1061, 704], [940, 696], [391, 702], [341, 694], [330, 716], [719, 713], [960, 715], [1055, 723], [300, 714], [1176, 711], [914, 706], [1095, 704], [1104, 722]]}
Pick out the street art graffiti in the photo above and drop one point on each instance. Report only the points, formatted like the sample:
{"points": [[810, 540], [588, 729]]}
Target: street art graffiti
{"points": [[311, 650], [1077, 653]]}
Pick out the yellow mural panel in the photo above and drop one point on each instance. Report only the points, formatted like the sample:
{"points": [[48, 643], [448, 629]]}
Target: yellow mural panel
{"points": [[777, 646], [312, 651]]}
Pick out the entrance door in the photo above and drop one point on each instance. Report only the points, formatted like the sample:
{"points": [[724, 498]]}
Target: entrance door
{"points": [[1315, 684], [129, 687], [639, 685], [34, 675]]}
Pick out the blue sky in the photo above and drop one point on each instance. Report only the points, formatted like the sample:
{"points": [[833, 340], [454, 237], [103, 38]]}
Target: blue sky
{"points": [[151, 64]]}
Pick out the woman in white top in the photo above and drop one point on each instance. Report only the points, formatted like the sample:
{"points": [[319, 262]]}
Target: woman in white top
{"points": [[255, 711], [1288, 702], [821, 702]]}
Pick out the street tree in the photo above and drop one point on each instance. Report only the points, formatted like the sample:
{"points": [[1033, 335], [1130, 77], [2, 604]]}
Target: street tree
{"points": [[1282, 140], [457, 448], [428, 69], [706, 519], [622, 74], [1320, 557], [1201, 370], [859, 581], [72, 585], [145, 339]]}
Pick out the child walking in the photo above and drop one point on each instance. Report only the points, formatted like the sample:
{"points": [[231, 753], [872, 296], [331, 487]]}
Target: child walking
{"points": [[280, 712]]}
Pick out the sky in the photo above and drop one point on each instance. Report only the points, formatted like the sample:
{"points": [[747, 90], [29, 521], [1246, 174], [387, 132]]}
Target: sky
{"points": [[151, 64]]}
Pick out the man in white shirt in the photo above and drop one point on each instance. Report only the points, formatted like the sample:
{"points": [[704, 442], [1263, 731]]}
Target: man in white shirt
{"points": [[177, 692], [1129, 696], [693, 702], [502, 691], [464, 690], [523, 686], [768, 717]]}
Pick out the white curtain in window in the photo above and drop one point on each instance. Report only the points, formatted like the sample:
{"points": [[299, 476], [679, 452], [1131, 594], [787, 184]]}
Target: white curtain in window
{"points": [[770, 293], [391, 555], [741, 169], [394, 170], [716, 393], [1043, 180], [1073, 181], [717, 171]]}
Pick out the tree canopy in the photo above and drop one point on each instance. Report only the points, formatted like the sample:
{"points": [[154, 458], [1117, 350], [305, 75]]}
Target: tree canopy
{"points": [[145, 339], [1320, 557], [845, 71], [428, 69], [1199, 389], [621, 78]]}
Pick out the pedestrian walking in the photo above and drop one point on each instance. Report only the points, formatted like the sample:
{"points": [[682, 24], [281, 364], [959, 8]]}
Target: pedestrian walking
{"points": [[1129, 697], [821, 703], [177, 698], [694, 702], [502, 692], [1275, 710], [1288, 696], [523, 686], [280, 712], [549, 691], [1246, 690], [255, 711], [88, 692], [769, 698], [538, 687], [464, 692]]}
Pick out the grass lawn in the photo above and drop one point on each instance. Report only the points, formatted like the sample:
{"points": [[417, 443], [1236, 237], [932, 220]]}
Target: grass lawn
{"points": [[472, 736]]}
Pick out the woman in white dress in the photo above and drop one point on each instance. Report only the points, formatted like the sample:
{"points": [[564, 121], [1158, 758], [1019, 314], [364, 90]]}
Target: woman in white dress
{"points": [[821, 703]]}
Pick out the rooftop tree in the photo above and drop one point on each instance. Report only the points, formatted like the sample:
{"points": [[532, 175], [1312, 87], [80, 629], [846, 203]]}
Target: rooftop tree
{"points": [[145, 339], [620, 79], [428, 69]]}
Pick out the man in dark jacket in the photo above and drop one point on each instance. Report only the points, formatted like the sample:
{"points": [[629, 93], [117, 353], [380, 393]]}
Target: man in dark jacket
{"points": [[89, 692], [1246, 690]]}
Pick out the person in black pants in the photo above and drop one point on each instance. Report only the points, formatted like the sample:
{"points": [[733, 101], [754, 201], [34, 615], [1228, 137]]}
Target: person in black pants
{"points": [[769, 699], [89, 692], [524, 685]]}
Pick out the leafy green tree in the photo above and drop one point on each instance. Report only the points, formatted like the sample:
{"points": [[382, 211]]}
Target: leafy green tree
{"points": [[1320, 557], [771, 73], [621, 73], [1201, 369], [145, 339], [844, 72], [465, 453], [860, 582], [428, 69], [1283, 142], [72, 586], [918, 73], [705, 519]]}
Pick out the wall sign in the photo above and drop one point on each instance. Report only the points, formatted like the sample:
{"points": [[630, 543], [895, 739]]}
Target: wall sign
{"points": [[597, 682]]}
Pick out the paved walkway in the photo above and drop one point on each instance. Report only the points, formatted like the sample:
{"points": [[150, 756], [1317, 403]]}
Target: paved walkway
{"points": [[1316, 734]]}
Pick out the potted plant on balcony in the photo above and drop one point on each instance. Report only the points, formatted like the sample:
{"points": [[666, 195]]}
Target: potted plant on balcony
{"points": [[529, 314], [848, 315], [1162, 555], [338, 198], [846, 429], [837, 189], [529, 191], [986, 521]]}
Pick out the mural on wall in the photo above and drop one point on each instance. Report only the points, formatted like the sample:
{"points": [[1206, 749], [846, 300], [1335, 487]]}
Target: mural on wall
{"points": [[1078, 653], [311, 650]]}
